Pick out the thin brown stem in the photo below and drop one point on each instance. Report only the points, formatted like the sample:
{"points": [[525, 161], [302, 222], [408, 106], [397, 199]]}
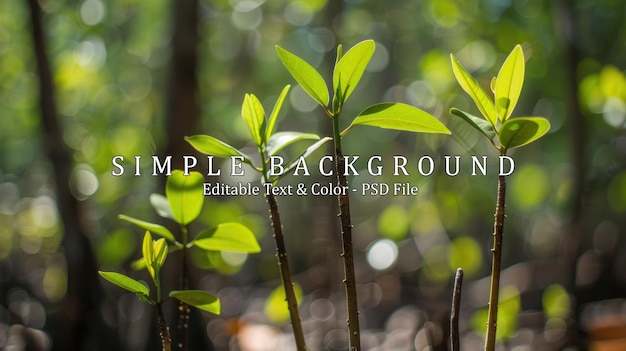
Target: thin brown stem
{"points": [[348, 253], [285, 274], [456, 310], [354, 330], [498, 228], [165, 331]]}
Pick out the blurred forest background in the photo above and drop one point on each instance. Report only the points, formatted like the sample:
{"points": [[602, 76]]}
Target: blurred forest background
{"points": [[83, 81]]}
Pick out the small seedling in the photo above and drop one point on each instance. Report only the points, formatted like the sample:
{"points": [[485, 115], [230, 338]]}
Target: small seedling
{"points": [[504, 133], [347, 73], [182, 203], [268, 144]]}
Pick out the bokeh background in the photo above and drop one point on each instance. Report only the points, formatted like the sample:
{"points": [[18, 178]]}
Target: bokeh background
{"points": [[83, 81]]}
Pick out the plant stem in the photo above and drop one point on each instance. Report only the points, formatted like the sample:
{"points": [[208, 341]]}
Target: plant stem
{"points": [[456, 310], [285, 275], [498, 228], [165, 332], [354, 334]]}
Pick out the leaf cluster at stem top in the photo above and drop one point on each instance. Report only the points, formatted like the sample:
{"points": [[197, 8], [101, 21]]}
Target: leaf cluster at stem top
{"points": [[506, 88], [347, 73], [268, 142]]}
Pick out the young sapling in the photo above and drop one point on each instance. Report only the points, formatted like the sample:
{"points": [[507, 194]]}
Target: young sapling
{"points": [[347, 73], [268, 144], [504, 133], [182, 203]]}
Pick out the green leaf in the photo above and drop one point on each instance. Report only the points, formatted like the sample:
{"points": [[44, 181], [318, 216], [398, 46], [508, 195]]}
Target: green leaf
{"points": [[160, 253], [184, 194], [281, 140], [147, 249], [520, 131], [509, 83], [198, 299], [339, 53], [161, 206], [151, 227], [127, 283], [140, 263], [254, 115], [350, 68], [393, 115], [209, 145], [308, 77], [230, 236], [474, 90], [476, 122], [271, 123]]}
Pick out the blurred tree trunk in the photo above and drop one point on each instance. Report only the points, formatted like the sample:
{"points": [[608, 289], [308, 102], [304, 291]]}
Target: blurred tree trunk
{"points": [[77, 325], [183, 108], [182, 119]]}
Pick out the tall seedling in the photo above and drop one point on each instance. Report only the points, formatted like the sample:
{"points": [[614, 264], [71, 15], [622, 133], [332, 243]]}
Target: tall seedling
{"points": [[268, 144], [504, 134], [182, 203], [347, 73]]}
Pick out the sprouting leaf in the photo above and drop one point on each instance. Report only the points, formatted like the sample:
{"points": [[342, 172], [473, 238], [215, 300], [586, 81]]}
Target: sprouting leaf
{"points": [[209, 145], [474, 90], [308, 77], [281, 140], [151, 227], [393, 115], [161, 206], [350, 68], [520, 131], [230, 236], [160, 252], [254, 115], [140, 263], [184, 194], [271, 123], [293, 163], [147, 249], [127, 283], [509, 83], [476, 122], [276, 309], [339, 53], [198, 299]]}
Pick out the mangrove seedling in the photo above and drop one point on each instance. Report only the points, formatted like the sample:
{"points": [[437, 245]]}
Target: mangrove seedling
{"points": [[504, 133], [268, 144], [182, 203], [347, 73]]}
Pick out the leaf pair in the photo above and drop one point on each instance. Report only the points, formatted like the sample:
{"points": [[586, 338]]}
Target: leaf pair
{"points": [[506, 88], [262, 131], [154, 254], [346, 75], [253, 113], [182, 203], [197, 298], [349, 69]]}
